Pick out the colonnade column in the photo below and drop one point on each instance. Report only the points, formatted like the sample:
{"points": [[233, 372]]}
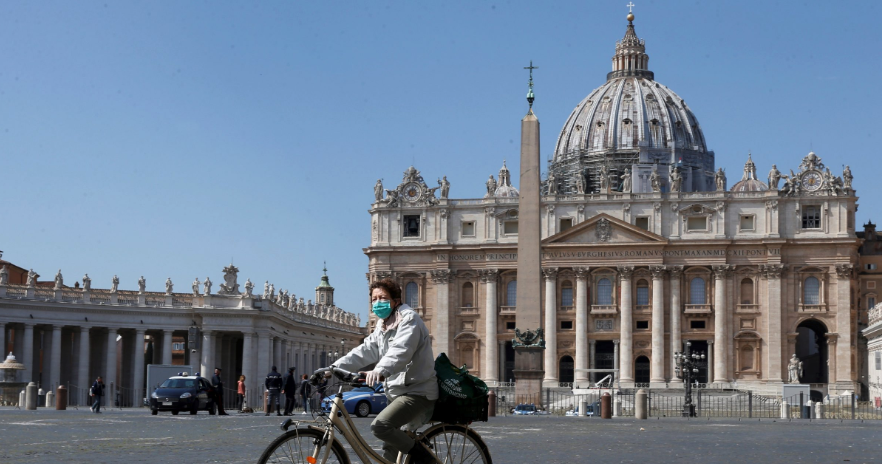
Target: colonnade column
{"points": [[581, 323], [720, 315], [277, 354], [167, 336], [491, 351], [626, 353], [264, 354], [248, 366], [551, 374], [110, 369], [206, 368], [676, 340], [3, 340], [772, 273], [55, 359], [842, 361], [83, 371], [657, 367], [139, 366], [28, 355]]}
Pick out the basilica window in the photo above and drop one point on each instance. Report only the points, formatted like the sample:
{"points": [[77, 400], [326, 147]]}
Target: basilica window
{"points": [[509, 325], [566, 325], [642, 325], [697, 324], [412, 225], [746, 291], [697, 291], [468, 228], [811, 291], [511, 293], [642, 293], [566, 223], [566, 293], [696, 223], [811, 217], [604, 291], [871, 302], [468, 295], [510, 228], [642, 222], [747, 223], [322, 298], [412, 294]]}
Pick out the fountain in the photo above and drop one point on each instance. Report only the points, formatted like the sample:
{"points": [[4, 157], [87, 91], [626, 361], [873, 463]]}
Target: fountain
{"points": [[9, 384]]}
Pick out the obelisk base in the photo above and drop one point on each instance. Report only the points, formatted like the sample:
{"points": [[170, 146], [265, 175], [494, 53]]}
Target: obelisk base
{"points": [[528, 373]]}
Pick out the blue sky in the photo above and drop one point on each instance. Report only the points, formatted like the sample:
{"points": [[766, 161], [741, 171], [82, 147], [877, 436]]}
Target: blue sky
{"points": [[166, 138]]}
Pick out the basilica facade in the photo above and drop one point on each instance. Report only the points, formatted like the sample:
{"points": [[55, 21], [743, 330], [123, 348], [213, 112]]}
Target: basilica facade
{"points": [[644, 247]]}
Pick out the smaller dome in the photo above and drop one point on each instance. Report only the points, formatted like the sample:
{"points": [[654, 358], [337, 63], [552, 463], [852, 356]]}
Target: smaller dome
{"points": [[749, 182], [505, 189]]}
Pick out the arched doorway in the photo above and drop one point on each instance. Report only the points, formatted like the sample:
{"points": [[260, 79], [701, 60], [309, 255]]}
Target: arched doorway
{"points": [[811, 349], [641, 369], [566, 369]]}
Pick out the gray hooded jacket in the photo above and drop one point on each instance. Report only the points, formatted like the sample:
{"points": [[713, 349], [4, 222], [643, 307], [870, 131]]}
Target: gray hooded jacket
{"points": [[402, 354]]}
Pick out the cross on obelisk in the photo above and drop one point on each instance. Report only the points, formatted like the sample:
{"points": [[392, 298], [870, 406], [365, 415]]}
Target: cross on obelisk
{"points": [[530, 96]]}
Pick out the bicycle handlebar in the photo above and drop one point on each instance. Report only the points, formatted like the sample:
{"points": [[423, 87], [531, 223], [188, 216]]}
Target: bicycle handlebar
{"points": [[341, 374]]}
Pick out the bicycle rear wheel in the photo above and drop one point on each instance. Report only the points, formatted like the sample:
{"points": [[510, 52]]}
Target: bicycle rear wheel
{"points": [[456, 444], [294, 446]]}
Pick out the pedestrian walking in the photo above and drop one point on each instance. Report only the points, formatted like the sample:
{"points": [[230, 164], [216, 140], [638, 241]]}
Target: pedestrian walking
{"points": [[240, 399], [96, 392], [289, 388], [218, 385], [273, 385], [305, 392]]}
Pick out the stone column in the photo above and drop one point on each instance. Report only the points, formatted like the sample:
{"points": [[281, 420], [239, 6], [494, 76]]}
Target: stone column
{"points": [[28, 353], [710, 361], [581, 324], [657, 367], [491, 352], [311, 357], [772, 273], [832, 351], [676, 312], [277, 354], [139, 366], [441, 279], [616, 360], [842, 361], [110, 368], [83, 368], [592, 364], [626, 361], [249, 367], [264, 355], [551, 374], [207, 364], [720, 331], [502, 362], [167, 336], [55, 359], [3, 351]]}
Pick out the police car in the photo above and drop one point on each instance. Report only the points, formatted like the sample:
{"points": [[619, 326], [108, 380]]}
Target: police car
{"points": [[183, 392]]}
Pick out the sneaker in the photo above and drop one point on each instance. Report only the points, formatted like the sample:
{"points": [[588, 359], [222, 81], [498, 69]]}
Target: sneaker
{"points": [[419, 455], [266, 414]]}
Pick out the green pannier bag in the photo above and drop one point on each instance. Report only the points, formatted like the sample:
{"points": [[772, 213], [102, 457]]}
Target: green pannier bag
{"points": [[462, 397]]}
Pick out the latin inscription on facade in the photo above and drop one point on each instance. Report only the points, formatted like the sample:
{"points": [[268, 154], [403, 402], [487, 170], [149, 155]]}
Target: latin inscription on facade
{"points": [[612, 254]]}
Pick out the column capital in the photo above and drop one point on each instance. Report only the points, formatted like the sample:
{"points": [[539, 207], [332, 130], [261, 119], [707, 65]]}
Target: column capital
{"points": [[675, 271], [443, 276], [489, 275], [832, 338], [592, 341], [616, 341], [710, 342], [550, 273], [772, 271], [722, 271], [658, 272], [844, 271], [581, 272], [625, 272]]}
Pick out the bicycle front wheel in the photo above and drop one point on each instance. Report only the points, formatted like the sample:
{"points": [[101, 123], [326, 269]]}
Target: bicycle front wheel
{"points": [[455, 444], [294, 446]]}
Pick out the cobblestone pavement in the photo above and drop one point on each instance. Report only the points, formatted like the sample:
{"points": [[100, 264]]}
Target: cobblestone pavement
{"points": [[134, 436]]}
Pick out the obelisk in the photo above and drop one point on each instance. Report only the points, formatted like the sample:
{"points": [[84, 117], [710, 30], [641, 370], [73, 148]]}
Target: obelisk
{"points": [[529, 344]]}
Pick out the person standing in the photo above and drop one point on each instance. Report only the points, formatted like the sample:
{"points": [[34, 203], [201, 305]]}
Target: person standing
{"points": [[96, 392], [273, 385], [289, 388], [218, 385], [240, 400], [305, 392]]}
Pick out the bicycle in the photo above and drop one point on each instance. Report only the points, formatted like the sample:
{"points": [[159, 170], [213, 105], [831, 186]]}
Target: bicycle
{"points": [[318, 441]]}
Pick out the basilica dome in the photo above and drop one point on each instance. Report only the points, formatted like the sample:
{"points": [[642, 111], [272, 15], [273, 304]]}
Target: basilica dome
{"points": [[631, 122]]}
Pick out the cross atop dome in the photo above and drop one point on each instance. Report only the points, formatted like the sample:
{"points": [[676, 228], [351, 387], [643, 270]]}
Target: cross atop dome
{"points": [[630, 5]]}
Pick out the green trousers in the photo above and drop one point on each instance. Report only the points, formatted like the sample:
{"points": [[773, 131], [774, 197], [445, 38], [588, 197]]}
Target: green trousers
{"points": [[406, 411]]}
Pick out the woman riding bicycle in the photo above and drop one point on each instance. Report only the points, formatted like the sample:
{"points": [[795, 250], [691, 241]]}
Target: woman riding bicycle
{"points": [[402, 351]]}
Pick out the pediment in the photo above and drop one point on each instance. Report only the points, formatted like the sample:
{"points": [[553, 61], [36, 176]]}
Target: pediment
{"points": [[603, 229]]}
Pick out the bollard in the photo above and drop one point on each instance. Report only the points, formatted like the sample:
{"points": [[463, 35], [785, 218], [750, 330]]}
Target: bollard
{"points": [[785, 410], [583, 409], [617, 406], [491, 404], [31, 397], [61, 398], [50, 399], [640, 400], [21, 399], [606, 406], [819, 410]]}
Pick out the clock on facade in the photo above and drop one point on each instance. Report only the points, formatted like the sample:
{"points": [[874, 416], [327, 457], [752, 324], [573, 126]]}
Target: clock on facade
{"points": [[412, 191], [812, 180]]}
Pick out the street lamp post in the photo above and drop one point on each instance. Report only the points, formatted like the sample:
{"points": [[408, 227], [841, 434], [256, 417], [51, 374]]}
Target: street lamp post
{"points": [[687, 369]]}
